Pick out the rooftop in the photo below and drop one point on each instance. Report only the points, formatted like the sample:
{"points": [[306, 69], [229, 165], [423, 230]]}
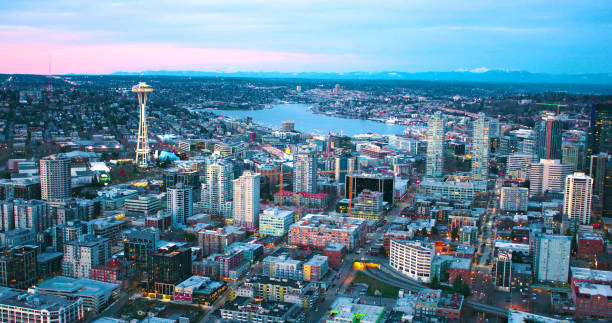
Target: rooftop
{"points": [[515, 316], [316, 260], [589, 236], [278, 309], [594, 289], [34, 301], [345, 308], [77, 286], [591, 274]]}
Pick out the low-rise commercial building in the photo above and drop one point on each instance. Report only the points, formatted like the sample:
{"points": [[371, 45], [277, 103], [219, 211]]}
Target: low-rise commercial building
{"points": [[316, 231], [18, 306], [96, 295]]}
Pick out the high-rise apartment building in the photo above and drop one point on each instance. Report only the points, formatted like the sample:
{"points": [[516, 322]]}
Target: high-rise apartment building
{"points": [[480, 148], [83, 254], [55, 180], [435, 145], [305, 172], [217, 191], [577, 197], [551, 258], [412, 258], [549, 137], [180, 203], [548, 175], [246, 201], [514, 199]]}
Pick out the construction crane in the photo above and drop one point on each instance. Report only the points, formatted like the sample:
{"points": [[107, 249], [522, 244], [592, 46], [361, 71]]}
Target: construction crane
{"points": [[559, 105], [282, 174]]}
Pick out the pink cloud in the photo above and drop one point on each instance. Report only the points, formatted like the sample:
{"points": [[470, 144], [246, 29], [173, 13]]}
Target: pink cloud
{"points": [[108, 58]]}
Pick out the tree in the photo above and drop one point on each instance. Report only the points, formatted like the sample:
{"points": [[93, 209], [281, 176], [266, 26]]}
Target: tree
{"points": [[455, 234], [457, 284], [434, 231], [190, 237], [435, 282], [517, 257], [424, 232]]}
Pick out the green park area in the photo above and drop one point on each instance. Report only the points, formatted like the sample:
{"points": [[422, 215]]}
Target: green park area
{"points": [[386, 290]]}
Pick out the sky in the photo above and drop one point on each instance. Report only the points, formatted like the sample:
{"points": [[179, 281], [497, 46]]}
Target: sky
{"points": [[99, 37]]}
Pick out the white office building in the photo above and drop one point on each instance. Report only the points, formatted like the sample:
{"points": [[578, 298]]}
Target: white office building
{"points": [[518, 165], [577, 197], [412, 258], [19, 306], [275, 222], [246, 201], [548, 175]]}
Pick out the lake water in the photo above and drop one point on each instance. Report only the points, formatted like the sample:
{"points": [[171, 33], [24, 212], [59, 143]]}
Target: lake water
{"points": [[310, 122]]}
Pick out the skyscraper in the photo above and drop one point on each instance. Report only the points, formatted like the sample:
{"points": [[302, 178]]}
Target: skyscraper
{"points": [[246, 201], [480, 148], [600, 140], [55, 180], [217, 190], [180, 203], [577, 197], [551, 258], [606, 211], [435, 145], [573, 154], [343, 164], [549, 137], [597, 171], [305, 172]]}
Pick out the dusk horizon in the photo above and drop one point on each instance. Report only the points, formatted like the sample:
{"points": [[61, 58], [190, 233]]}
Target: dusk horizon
{"points": [[101, 38]]}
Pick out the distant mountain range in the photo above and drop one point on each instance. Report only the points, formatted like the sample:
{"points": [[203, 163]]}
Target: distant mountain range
{"points": [[478, 75]]}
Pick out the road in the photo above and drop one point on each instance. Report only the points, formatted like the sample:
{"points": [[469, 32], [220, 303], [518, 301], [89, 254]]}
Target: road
{"points": [[403, 282]]}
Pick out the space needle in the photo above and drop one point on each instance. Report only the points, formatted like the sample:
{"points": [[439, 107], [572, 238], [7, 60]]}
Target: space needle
{"points": [[142, 146]]}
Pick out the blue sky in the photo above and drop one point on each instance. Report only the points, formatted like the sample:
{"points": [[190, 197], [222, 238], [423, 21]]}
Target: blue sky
{"points": [[312, 36]]}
